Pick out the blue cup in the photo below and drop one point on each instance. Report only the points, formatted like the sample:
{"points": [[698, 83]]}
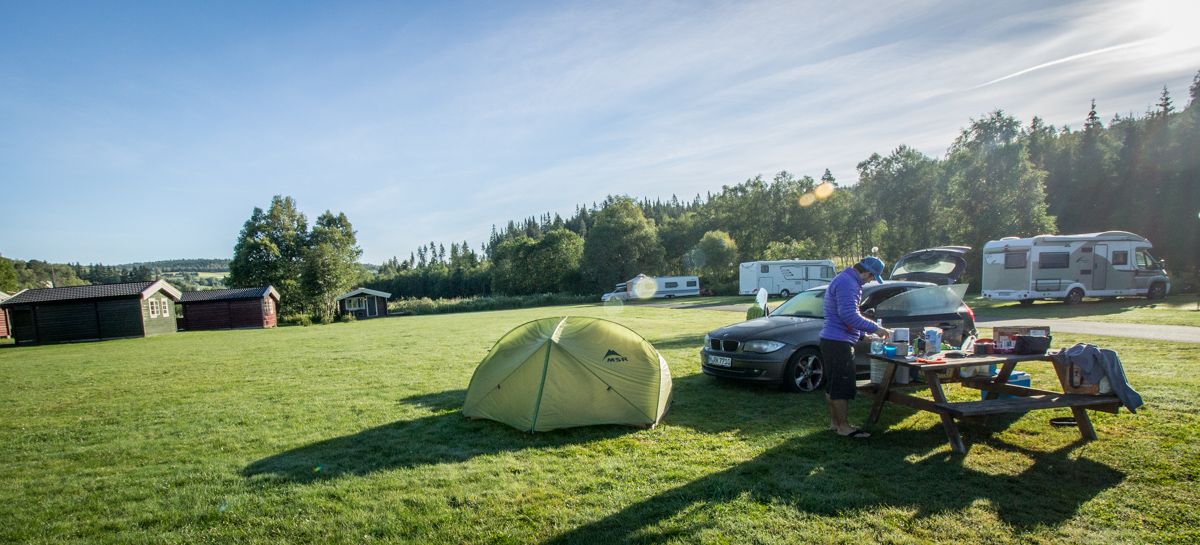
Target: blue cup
{"points": [[889, 351]]}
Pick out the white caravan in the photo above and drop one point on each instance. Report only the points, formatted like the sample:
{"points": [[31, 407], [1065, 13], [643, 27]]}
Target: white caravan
{"points": [[648, 287], [786, 277], [1070, 267]]}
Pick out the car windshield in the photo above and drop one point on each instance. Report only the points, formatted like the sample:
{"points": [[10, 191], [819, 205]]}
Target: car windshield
{"points": [[931, 262], [931, 300], [807, 304]]}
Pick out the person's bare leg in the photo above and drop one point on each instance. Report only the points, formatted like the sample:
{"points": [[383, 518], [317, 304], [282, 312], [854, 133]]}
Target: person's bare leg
{"points": [[839, 417]]}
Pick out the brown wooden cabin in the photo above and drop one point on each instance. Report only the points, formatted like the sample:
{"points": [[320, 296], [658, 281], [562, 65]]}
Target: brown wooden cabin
{"points": [[92, 313], [238, 308], [363, 303], [4, 316]]}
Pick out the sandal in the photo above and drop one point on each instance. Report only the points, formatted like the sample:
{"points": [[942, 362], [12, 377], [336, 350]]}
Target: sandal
{"points": [[856, 434]]}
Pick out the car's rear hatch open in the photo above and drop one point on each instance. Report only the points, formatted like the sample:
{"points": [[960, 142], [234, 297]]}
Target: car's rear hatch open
{"points": [[942, 265]]}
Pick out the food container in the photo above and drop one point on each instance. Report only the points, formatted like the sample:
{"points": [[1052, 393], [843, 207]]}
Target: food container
{"points": [[984, 348]]}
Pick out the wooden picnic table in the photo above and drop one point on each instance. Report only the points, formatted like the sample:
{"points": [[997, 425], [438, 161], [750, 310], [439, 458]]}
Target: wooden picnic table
{"points": [[1027, 399]]}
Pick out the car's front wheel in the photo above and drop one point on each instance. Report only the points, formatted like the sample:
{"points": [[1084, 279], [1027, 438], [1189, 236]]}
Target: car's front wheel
{"points": [[804, 372]]}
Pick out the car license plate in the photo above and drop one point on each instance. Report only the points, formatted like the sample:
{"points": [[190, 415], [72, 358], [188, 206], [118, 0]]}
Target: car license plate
{"points": [[720, 361]]}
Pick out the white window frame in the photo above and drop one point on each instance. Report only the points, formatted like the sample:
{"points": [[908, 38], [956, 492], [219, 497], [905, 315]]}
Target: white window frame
{"points": [[270, 304], [153, 303], [356, 303], [165, 311]]}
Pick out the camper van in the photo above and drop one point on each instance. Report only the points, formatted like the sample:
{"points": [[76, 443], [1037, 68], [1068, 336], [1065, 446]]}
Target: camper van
{"points": [[1071, 267], [786, 278], [647, 287]]}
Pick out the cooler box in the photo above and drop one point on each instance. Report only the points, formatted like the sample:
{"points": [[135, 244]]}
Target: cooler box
{"points": [[1005, 337], [1017, 378]]}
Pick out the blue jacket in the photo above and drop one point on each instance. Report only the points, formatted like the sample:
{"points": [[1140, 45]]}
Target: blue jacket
{"points": [[843, 321], [1095, 363]]}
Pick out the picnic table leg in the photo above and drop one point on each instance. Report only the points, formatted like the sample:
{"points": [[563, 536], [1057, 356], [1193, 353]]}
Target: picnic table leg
{"points": [[881, 393], [1001, 378], [939, 396], [1084, 422]]}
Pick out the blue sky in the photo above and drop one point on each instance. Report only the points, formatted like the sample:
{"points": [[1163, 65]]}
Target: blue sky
{"points": [[137, 132]]}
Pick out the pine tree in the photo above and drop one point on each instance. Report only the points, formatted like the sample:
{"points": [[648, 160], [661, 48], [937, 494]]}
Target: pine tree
{"points": [[1164, 103]]}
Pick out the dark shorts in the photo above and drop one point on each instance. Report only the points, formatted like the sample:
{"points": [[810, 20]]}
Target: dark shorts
{"points": [[838, 359]]}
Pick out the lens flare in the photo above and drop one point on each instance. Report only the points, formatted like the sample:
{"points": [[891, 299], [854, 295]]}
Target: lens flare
{"points": [[823, 191], [807, 200], [644, 287]]}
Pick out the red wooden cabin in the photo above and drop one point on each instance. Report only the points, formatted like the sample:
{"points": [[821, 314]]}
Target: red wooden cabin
{"points": [[238, 308]]}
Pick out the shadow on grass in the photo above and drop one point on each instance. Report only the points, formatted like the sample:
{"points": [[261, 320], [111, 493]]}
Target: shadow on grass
{"points": [[437, 439], [815, 474]]}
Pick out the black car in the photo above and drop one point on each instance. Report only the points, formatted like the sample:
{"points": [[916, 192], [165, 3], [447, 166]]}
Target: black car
{"points": [[783, 346]]}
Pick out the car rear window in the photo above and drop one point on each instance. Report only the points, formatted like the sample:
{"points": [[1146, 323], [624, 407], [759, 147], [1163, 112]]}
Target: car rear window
{"points": [[923, 301], [933, 262]]}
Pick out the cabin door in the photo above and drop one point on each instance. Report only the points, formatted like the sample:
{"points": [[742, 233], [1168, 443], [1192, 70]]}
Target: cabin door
{"points": [[1100, 266]]}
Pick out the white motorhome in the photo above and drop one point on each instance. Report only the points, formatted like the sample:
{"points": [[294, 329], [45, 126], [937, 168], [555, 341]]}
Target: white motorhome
{"points": [[648, 287], [786, 277], [1071, 267]]}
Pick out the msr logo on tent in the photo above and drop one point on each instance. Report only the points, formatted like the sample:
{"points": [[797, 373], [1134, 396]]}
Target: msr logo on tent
{"points": [[613, 357]]}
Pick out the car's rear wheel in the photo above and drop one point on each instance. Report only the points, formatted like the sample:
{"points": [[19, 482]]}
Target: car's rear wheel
{"points": [[1074, 297], [804, 372], [785, 293], [1157, 290]]}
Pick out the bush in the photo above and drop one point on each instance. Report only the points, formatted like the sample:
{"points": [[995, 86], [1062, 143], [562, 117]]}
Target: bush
{"points": [[297, 319], [425, 305], [347, 318]]}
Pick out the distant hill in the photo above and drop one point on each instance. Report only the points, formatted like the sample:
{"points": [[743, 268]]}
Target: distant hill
{"points": [[183, 265]]}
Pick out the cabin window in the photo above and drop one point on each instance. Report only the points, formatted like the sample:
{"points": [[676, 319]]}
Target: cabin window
{"points": [[153, 308], [1015, 260], [672, 284], [356, 303], [1120, 258], [166, 308], [269, 307], [691, 283], [1055, 260], [764, 269]]}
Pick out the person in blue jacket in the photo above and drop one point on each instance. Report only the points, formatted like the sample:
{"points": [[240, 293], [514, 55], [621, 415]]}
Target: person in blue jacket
{"points": [[844, 325]]}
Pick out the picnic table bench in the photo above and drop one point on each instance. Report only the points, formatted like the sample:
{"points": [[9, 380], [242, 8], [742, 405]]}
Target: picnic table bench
{"points": [[1025, 400]]}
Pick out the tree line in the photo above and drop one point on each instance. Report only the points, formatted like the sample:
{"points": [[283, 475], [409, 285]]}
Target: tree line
{"points": [[1000, 177]]}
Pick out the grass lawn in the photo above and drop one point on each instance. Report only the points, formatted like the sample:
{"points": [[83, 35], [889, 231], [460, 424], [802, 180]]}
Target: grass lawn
{"points": [[1174, 310], [351, 433]]}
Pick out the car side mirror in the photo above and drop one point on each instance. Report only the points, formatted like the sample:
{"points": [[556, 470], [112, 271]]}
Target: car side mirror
{"points": [[869, 313]]}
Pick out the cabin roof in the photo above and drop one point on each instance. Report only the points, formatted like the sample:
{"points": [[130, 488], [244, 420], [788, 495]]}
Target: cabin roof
{"points": [[232, 294], [364, 291], [93, 291]]}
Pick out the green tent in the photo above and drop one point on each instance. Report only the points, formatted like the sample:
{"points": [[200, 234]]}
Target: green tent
{"points": [[574, 371]]}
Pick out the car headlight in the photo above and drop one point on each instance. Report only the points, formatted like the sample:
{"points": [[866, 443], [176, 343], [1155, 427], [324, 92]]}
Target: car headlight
{"points": [[707, 341], [761, 346]]}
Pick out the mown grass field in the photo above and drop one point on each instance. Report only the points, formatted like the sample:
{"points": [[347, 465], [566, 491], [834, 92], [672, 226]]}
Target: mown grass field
{"points": [[351, 433]]}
